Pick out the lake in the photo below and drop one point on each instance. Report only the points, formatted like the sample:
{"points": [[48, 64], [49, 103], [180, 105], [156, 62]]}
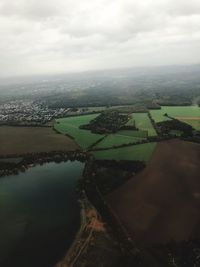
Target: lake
{"points": [[39, 214]]}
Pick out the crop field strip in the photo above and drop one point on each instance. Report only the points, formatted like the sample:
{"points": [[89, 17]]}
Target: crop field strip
{"points": [[134, 133], [131, 121], [78, 120], [22, 140], [103, 108], [142, 152], [195, 123], [187, 114], [70, 126], [142, 122], [117, 140]]}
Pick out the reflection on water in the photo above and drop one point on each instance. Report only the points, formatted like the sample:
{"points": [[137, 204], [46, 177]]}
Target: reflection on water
{"points": [[39, 214]]}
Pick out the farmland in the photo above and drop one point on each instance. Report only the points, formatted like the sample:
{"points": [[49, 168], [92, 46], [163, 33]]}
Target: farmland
{"points": [[133, 133], [142, 122], [85, 138], [195, 123], [70, 126], [131, 121], [162, 202], [99, 109], [117, 140], [77, 120], [21, 140], [158, 115], [188, 114], [106, 122], [141, 152]]}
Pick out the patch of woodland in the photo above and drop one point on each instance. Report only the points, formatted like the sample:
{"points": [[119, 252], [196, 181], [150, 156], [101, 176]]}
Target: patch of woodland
{"points": [[165, 127], [107, 122], [94, 195], [110, 174], [9, 167]]}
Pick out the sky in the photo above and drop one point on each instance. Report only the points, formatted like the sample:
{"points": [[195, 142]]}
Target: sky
{"points": [[58, 36]]}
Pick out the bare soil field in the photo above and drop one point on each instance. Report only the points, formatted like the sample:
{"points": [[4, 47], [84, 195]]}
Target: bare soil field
{"points": [[188, 118], [21, 140], [162, 203]]}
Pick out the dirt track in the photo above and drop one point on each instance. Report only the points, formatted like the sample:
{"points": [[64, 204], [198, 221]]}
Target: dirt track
{"points": [[20, 140], [162, 203]]}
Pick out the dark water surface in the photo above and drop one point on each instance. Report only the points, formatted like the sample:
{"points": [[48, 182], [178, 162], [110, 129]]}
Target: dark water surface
{"points": [[39, 214]]}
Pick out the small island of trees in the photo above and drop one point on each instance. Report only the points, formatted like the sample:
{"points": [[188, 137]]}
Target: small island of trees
{"points": [[108, 122]]}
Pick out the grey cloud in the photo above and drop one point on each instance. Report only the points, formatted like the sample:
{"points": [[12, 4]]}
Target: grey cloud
{"points": [[56, 35]]}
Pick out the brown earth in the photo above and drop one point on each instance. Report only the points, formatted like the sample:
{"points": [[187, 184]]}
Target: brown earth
{"points": [[21, 140], [188, 118], [162, 203]]}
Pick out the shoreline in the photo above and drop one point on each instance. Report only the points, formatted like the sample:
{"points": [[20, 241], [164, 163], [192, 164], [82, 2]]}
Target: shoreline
{"points": [[89, 213], [8, 166], [78, 243], [31, 160], [94, 208]]}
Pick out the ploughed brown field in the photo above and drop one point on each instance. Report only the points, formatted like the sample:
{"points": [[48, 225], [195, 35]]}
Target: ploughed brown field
{"points": [[162, 203], [21, 140]]}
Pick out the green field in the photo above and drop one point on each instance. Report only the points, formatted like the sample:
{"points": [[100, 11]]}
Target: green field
{"points": [[176, 132], [97, 109], [142, 122], [86, 110], [71, 125], [131, 121], [78, 120], [102, 108], [184, 111], [117, 140], [158, 115], [133, 133], [194, 123], [141, 152]]}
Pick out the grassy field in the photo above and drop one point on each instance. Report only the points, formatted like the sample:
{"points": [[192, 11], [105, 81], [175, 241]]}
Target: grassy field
{"points": [[21, 140], [102, 108], [71, 125], [139, 134], [188, 114], [158, 115], [194, 123], [77, 120], [117, 140], [141, 152], [142, 122], [131, 121]]}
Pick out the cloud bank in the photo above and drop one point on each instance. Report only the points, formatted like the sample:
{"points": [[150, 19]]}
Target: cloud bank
{"points": [[52, 36]]}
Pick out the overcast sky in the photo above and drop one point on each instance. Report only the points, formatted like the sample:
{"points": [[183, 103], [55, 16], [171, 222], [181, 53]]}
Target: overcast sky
{"points": [[56, 36]]}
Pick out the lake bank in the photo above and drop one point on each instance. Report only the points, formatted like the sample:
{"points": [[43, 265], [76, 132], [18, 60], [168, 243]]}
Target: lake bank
{"points": [[40, 214], [17, 163]]}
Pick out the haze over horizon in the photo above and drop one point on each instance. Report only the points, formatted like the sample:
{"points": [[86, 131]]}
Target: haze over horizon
{"points": [[44, 37]]}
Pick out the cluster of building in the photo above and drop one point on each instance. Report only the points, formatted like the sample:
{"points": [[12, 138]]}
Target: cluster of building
{"points": [[27, 111]]}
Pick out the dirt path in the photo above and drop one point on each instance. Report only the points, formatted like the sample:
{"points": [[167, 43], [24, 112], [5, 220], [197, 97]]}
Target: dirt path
{"points": [[90, 224]]}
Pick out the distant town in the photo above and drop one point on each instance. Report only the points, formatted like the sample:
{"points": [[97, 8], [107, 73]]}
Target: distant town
{"points": [[32, 112]]}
